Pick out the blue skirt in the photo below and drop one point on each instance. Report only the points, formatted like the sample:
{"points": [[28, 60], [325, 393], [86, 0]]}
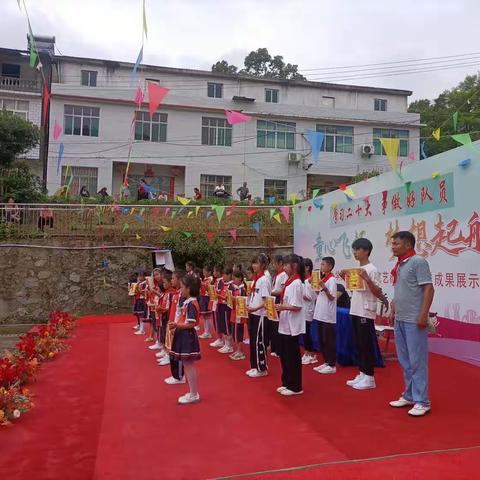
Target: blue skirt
{"points": [[140, 308], [204, 300], [185, 345]]}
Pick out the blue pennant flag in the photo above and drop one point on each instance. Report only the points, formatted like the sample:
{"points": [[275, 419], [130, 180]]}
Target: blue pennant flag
{"points": [[422, 151], [133, 75], [271, 200], [139, 218], [464, 163], [209, 213], [125, 211], [59, 158], [256, 226], [315, 139], [318, 202]]}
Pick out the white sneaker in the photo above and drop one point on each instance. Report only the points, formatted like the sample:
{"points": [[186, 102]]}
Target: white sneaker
{"points": [[359, 377], [289, 393], [328, 369], [246, 341], [365, 383], [174, 381], [401, 402], [320, 367], [189, 398], [164, 361], [136, 327], [273, 354], [197, 328], [139, 332], [225, 349], [419, 410], [257, 373], [305, 356], [313, 359], [249, 372], [155, 346], [161, 354], [217, 343], [204, 335], [281, 389], [307, 360]]}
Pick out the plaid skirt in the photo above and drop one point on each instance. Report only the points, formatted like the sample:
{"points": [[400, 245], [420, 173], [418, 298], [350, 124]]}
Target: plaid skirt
{"points": [[185, 345]]}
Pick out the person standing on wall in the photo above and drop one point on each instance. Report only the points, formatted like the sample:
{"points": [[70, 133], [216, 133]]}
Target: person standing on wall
{"points": [[413, 296]]}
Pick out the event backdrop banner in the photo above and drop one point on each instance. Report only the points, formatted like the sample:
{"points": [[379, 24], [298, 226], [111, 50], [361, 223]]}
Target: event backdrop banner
{"points": [[438, 200]]}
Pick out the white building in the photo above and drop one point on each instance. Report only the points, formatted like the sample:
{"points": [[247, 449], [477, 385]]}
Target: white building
{"points": [[189, 143]]}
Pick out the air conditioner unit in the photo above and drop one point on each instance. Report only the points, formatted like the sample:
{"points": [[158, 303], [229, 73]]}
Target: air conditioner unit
{"points": [[367, 150], [294, 157]]}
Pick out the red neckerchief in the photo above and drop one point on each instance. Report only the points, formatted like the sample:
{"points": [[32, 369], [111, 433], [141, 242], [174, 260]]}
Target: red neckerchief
{"points": [[287, 283], [257, 277], [326, 278], [400, 260], [277, 274], [308, 277]]}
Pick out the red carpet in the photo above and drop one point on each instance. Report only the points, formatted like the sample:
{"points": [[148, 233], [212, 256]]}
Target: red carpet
{"points": [[104, 412]]}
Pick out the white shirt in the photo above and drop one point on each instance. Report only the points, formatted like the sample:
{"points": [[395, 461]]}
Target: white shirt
{"points": [[293, 323], [326, 309], [280, 281], [309, 293], [263, 287], [364, 303], [268, 275]]}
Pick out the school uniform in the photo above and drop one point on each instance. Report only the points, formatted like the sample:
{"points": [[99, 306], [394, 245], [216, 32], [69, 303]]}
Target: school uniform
{"points": [[218, 285], [291, 326], [163, 315], [140, 309], [272, 339], [237, 323], [204, 301], [261, 288], [223, 312], [176, 303], [326, 315], [185, 345], [309, 298], [363, 310]]}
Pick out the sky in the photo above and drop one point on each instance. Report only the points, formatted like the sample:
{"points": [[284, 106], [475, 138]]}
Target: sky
{"points": [[315, 34]]}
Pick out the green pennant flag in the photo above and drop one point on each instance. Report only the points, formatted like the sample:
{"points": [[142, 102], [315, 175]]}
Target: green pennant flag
{"points": [[188, 234], [463, 138], [272, 212], [315, 192], [174, 213], [33, 47], [125, 227], [454, 121], [33, 58], [408, 186], [219, 210]]}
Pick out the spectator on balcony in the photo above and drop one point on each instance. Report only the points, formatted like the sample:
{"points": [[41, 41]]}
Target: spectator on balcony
{"points": [[103, 193], [84, 193], [220, 191], [143, 190], [12, 212], [243, 192], [198, 194]]}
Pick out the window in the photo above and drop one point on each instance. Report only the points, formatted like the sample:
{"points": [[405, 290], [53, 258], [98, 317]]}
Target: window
{"points": [[89, 78], [215, 90], [379, 133], [154, 130], [275, 188], [83, 121], [81, 176], [271, 95], [328, 102], [17, 107], [336, 139], [10, 70], [209, 182], [216, 131], [275, 134], [380, 105]]}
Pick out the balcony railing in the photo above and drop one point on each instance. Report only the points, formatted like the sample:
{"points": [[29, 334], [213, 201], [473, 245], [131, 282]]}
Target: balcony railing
{"points": [[19, 84]]}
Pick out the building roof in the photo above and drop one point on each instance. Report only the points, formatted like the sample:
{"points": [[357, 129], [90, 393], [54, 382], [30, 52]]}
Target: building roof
{"points": [[236, 76]]}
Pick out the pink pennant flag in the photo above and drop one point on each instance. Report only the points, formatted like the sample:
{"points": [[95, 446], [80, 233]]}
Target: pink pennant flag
{"points": [[210, 237], [285, 212], [167, 211], [57, 130], [251, 202], [139, 96], [411, 156], [251, 211], [236, 117], [156, 93], [233, 234]]}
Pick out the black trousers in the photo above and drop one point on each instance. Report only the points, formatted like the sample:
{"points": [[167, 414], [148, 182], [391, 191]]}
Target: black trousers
{"points": [[291, 361], [327, 337], [272, 339], [307, 339], [176, 367], [256, 332], [163, 328], [363, 331]]}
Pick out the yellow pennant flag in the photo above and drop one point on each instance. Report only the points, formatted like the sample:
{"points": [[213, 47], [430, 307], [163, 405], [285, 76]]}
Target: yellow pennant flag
{"points": [[197, 208], [436, 134], [184, 201], [277, 218], [435, 174], [391, 145], [189, 214], [349, 192], [132, 211], [293, 198], [164, 228], [137, 236]]}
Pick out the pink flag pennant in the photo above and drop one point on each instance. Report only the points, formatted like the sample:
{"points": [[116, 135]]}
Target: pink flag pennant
{"points": [[236, 117], [57, 130], [156, 93], [411, 156], [139, 96], [251, 211], [285, 212], [210, 237], [233, 234]]}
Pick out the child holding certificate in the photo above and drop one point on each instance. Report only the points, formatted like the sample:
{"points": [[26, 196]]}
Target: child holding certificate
{"points": [[140, 309], [261, 288], [326, 315], [278, 282], [310, 297], [185, 346], [291, 326], [162, 314], [223, 312], [218, 285], [205, 303], [239, 315]]}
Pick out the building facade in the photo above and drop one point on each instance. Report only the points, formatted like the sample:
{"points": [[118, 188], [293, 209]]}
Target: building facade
{"points": [[189, 143]]}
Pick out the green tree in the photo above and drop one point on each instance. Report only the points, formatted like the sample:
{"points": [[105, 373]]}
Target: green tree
{"points": [[19, 183], [438, 113], [259, 63]]}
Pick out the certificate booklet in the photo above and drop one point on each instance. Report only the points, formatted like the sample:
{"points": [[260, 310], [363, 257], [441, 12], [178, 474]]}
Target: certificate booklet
{"points": [[249, 287], [353, 280], [316, 280], [229, 299], [241, 305], [271, 310], [211, 293]]}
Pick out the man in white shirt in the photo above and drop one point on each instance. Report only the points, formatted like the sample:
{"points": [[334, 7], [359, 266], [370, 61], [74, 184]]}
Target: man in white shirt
{"points": [[278, 282], [363, 310]]}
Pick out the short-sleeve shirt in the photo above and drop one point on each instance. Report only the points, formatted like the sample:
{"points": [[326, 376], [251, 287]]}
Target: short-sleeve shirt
{"points": [[326, 309], [412, 274], [364, 303], [279, 281], [309, 300], [263, 288], [293, 323]]}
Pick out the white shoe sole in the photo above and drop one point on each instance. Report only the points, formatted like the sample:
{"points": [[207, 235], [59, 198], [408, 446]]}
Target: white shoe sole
{"points": [[361, 387]]}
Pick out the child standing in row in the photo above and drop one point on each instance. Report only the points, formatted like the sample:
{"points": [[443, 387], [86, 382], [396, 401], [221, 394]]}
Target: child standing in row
{"points": [[156, 295], [291, 326], [224, 312], [162, 316], [205, 304], [218, 285], [185, 346], [278, 283], [326, 315], [237, 323], [309, 297], [140, 307]]}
